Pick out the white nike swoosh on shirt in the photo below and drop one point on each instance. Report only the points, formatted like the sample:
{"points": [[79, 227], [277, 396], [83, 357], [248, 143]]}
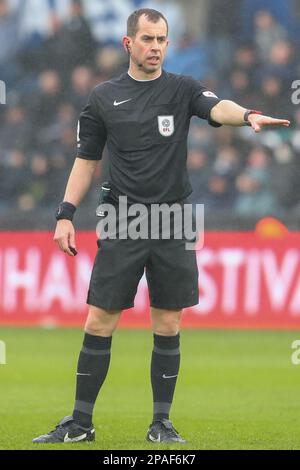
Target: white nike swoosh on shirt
{"points": [[117, 103], [169, 376], [81, 374]]}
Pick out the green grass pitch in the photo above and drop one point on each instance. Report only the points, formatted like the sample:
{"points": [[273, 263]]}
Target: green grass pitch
{"points": [[236, 390]]}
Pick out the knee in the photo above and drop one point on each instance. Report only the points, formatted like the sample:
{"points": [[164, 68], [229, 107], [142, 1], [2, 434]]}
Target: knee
{"points": [[166, 331], [95, 329], [167, 325], [100, 323]]}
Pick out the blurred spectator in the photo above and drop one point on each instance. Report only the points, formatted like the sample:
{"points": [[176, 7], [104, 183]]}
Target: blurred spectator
{"points": [[199, 170], [221, 24], [220, 194], [285, 176], [267, 32], [296, 10], [50, 136], [255, 196], [10, 43], [240, 88], [67, 145], [82, 82], [221, 188], [44, 105], [16, 129], [38, 187], [281, 62], [59, 168], [227, 162], [71, 43], [110, 61], [26, 202], [49, 175], [223, 30], [200, 135], [295, 138], [273, 98], [245, 57], [224, 136], [244, 60], [16, 176], [281, 10]]}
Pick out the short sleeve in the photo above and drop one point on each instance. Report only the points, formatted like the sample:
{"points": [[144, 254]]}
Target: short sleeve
{"points": [[91, 132], [202, 102]]}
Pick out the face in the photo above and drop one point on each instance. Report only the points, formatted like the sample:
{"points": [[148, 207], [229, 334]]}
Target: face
{"points": [[147, 48]]}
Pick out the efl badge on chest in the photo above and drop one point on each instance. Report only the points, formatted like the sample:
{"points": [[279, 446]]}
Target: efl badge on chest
{"points": [[166, 125]]}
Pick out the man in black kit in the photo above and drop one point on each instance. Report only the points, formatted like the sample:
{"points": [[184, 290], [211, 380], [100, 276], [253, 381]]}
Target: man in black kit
{"points": [[144, 118]]}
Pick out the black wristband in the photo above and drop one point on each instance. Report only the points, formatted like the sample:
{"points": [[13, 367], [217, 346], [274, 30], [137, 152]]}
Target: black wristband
{"points": [[65, 210], [247, 114]]}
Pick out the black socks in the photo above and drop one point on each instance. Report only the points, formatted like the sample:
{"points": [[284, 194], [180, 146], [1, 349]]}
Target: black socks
{"points": [[164, 370], [93, 365], [92, 369]]}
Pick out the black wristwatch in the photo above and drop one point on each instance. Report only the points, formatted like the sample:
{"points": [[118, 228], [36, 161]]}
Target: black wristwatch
{"points": [[247, 114]]}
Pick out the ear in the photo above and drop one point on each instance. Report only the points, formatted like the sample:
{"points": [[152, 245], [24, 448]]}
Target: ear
{"points": [[126, 43]]}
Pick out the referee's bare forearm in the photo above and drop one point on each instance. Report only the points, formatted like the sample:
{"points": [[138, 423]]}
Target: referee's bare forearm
{"points": [[79, 180], [228, 112]]}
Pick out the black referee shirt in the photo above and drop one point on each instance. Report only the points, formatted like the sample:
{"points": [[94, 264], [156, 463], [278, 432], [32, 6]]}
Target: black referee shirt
{"points": [[145, 125]]}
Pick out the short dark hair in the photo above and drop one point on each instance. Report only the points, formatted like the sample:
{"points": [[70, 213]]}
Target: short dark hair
{"points": [[133, 20]]}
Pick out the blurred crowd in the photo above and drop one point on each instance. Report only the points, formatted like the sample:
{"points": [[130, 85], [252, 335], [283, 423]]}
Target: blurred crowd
{"points": [[53, 53]]}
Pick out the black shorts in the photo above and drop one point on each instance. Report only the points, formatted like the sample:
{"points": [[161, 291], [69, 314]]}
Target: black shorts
{"points": [[171, 272]]}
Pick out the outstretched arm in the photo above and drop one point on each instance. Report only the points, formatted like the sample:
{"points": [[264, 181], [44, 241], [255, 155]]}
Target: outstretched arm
{"points": [[229, 113]]}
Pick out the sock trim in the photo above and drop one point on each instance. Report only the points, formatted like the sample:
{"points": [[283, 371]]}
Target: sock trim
{"points": [[84, 406], [95, 352], [161, 407], [166, 352]]}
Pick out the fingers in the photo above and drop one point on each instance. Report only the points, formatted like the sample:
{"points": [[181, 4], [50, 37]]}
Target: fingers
{"points": [[274, 122], [70, 251], [280, 122], [65, 237], [72, 244], [266, 121], [65, 247], [256, 127]]}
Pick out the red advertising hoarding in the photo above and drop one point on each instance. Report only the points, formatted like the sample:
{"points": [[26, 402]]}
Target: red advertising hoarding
{"points": [[244, 282]]}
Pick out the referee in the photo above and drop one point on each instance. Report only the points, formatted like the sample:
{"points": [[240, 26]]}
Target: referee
{"points": [[144, 117]]}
